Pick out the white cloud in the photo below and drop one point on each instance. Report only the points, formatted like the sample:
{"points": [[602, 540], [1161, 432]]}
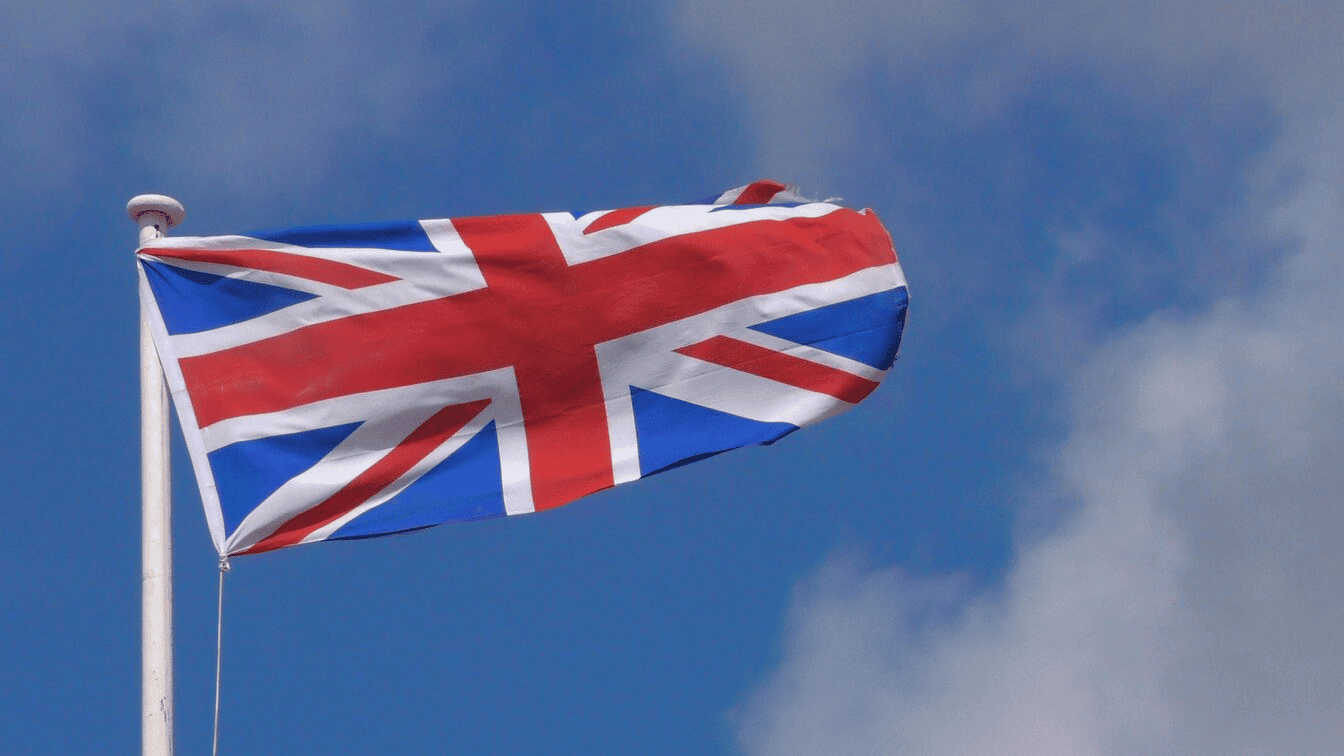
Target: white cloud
{"points": [[254, 96], [1191, 605], [807, 69], [1190, 602]]}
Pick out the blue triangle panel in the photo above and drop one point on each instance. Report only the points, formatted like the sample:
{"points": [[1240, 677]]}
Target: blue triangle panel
{"points": [[867, 329], [465, 486], [249, 471], [673, 433], [407, 236], [192, 301]]}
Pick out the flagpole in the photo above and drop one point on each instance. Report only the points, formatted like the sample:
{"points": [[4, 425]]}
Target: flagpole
{"points": [[155, 213]]}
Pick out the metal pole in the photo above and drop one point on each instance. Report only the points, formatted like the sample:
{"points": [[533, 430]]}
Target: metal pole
{"points": [[155, 213]]}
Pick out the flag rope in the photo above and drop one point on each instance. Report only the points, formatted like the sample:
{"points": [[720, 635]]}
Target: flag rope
{"points": [[219, 648]]}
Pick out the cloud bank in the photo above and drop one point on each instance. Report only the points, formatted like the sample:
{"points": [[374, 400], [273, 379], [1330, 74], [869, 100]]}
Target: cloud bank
{"points": [[254, 96], [1190, 605], [1190, 599]]}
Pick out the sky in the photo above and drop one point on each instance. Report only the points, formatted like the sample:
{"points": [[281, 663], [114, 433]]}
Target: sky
{"points": [[1094, 509]]}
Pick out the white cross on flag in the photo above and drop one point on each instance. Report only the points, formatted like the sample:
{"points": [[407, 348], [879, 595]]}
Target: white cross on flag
{"points": [[351, 381]]}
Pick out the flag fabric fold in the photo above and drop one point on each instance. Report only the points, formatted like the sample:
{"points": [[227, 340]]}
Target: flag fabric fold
{"points": [[340, 382]]}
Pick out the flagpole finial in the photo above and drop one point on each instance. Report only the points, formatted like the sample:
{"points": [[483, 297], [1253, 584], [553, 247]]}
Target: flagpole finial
{"points": [[154, 213]]}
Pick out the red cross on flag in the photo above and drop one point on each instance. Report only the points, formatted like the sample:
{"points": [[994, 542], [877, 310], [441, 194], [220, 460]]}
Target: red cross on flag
{"points": [[350, 381]]}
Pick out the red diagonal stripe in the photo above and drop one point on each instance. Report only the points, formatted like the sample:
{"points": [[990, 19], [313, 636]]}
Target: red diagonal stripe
{"points": [[423, 440], [617, 218], [781, 367], [759, 193], [314, 269]]}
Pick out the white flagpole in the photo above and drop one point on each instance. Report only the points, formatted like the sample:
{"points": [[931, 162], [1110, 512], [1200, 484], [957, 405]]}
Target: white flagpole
{"points": [[155, 213]]}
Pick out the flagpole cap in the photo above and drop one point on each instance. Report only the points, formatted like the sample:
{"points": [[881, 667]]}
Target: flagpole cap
{"points": [[169, 208]]}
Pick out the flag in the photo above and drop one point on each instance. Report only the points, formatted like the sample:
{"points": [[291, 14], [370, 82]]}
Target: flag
{"points": [[339, 382]]}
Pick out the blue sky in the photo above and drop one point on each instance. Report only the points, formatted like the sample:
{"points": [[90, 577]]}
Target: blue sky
{"points": [[1093, 510]]}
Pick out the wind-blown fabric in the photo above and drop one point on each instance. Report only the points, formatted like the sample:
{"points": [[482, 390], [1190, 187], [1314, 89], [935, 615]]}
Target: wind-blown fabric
{"points": [[343, 382]]}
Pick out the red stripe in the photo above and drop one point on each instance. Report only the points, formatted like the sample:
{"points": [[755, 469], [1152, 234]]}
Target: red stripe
{"points": [[429, 436], [559, 385], [781, 367], [616, 218], [314, 269], [568, 445], [759, 193]]}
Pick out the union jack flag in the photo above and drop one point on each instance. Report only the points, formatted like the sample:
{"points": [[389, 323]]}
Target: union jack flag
{"points": [[344, 382]]}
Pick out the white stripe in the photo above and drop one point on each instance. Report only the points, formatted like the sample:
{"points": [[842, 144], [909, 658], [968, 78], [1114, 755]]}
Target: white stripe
{"points": [[730, 196], [661, 223], [811, 354], [746, 395], [250, 274], [445, 238], [422, 276], [621, 431], [648, 360], [352, 408], [515, 463], [334, 306], [186, 416]]}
